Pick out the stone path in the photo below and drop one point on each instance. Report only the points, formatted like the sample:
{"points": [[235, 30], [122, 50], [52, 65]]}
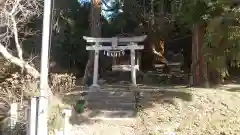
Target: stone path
{"points": [[110, 103]]}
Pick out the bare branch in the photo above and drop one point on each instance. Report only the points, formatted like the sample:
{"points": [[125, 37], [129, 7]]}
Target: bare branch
{"points": [[14, 7], [14, 15], [29, 69], [16, 38]]}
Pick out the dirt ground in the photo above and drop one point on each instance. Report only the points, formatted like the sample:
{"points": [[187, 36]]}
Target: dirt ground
{"points": [[205, 112], [183, 111]]}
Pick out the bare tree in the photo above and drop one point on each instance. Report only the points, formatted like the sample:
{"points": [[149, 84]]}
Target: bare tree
{"points": [[14, 15]]}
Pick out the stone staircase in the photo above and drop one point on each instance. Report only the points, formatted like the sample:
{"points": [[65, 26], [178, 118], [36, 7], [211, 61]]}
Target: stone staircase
{"points": [[110, 103]]}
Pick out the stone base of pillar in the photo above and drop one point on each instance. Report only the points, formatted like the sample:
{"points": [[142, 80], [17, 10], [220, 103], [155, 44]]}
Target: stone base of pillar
{"points": [[94, 87]]}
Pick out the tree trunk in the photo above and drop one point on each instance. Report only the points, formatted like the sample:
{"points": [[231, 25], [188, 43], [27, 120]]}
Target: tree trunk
{"points": [[95, 30], [199, 66], [202, 62], [194, 66]]}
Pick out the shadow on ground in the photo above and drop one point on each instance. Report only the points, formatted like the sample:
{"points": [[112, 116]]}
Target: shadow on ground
{"points": [[234, 89]]}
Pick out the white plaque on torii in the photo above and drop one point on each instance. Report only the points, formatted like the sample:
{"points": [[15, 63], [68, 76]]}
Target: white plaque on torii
{"points": [[119, 45]]}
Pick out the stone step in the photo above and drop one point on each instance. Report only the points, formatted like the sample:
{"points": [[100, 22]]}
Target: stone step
{"points": [[171, 74], [111, 106], [95, 114], [112, 100], [122, 88], [110, 94], [105, 87]]}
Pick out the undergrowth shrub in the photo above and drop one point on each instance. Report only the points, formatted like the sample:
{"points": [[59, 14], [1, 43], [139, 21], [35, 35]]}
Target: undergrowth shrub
{"points": [[62, 83], [16, 87]]}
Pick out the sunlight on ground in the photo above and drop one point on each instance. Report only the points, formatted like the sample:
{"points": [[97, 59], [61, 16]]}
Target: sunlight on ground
{"points": [[181, 112], [210, 112]]}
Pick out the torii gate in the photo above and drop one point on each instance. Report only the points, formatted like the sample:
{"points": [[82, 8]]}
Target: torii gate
{"points": [[122, 44]]}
